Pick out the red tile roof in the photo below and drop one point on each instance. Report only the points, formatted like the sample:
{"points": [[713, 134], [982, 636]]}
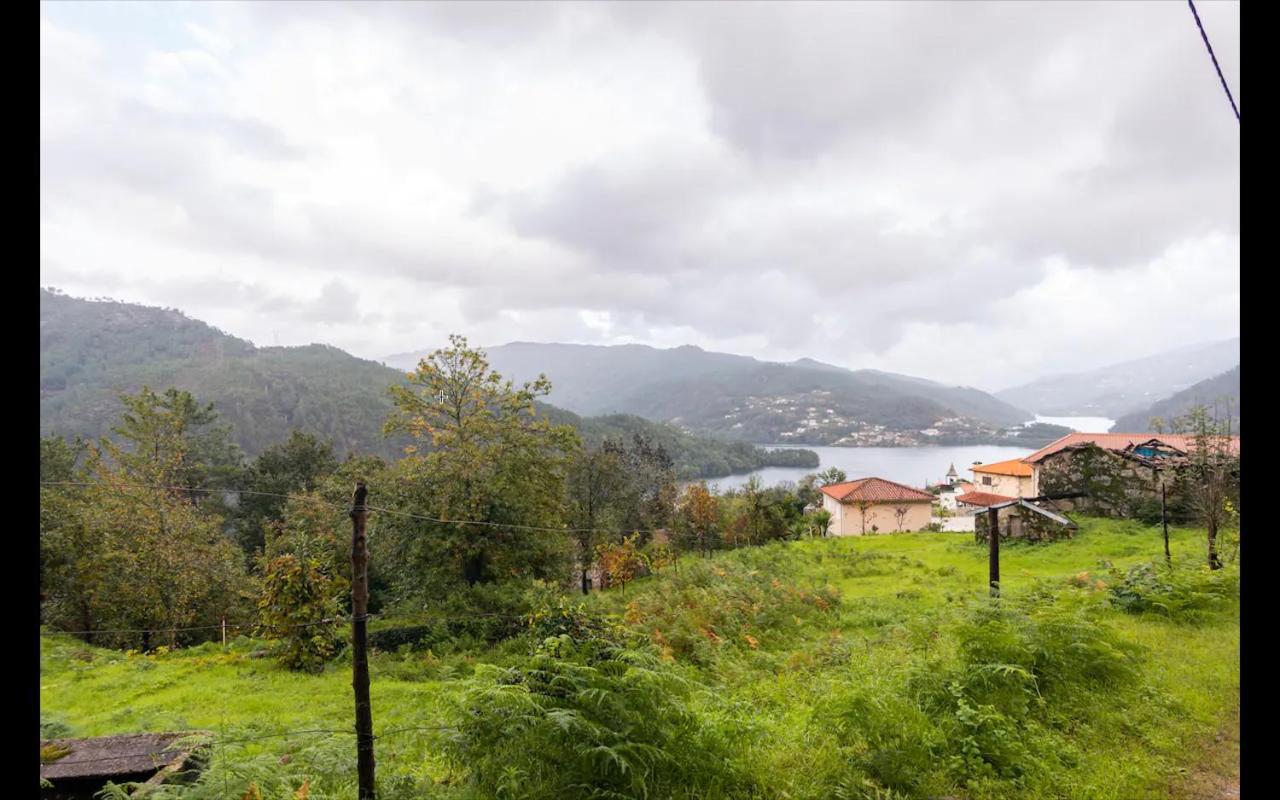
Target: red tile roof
{"points": [[983, 499], [1014, 466], [875, 490], [1118, 441]]}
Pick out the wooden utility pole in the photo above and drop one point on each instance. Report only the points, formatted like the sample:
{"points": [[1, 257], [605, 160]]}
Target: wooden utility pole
{"points": [[1164, 520], [993, 533], [359, 647]]}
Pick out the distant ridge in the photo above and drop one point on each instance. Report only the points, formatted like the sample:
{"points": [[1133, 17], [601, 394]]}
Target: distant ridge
{"points": [[90, 351], [1119, 389], [737, 396]]}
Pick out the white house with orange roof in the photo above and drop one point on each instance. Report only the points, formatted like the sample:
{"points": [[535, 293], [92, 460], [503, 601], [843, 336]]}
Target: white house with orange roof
{"points": [[1012, 478], [875, 505]]}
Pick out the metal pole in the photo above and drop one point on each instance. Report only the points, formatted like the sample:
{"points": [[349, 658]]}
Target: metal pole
{"points": [[993, 532], [359, 637]]}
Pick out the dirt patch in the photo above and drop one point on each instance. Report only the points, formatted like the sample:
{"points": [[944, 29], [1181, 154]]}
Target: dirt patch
{"points": [[1213, 771]]}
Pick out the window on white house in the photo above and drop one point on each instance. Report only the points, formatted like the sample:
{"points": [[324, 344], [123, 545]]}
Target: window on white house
{"points": [[986, 480]]}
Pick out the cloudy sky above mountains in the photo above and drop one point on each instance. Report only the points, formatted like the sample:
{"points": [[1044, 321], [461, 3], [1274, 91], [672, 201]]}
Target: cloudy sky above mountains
{"points": [[975, 193]]}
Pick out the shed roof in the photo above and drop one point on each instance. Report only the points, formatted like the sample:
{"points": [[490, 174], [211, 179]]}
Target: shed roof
{"points": [[126, 754], [983, 499], [875, 490]]}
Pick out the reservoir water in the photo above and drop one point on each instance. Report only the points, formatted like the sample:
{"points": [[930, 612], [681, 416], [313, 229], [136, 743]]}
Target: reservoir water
{"points": [[914, 466]]}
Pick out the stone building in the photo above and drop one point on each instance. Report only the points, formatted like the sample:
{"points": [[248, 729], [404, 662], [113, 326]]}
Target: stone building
{"points": [[1121, 474]]}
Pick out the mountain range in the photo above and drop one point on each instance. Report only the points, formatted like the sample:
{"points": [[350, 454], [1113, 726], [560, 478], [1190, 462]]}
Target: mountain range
{"points": [[741, 398], [91, 351], [1128, 387], [1207, 392]]}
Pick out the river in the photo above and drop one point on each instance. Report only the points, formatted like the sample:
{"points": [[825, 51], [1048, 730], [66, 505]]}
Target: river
{"points": [[914, 466]]}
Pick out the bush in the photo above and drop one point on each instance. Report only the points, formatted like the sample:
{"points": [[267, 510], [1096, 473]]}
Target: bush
{"points": [[1181, 593], [587, 718], [299, 607]]}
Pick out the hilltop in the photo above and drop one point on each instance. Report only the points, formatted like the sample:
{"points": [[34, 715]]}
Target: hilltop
{"points": [[91, 351], [745, 399]]}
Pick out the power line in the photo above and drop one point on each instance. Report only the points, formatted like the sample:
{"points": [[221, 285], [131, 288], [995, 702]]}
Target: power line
{"points": [[1205, 36], [345, 507]]}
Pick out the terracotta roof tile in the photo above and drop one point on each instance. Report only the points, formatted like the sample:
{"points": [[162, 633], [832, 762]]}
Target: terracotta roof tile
{"points": [[875, 490], [1118, 441], [1014, 466], [983, 499]]}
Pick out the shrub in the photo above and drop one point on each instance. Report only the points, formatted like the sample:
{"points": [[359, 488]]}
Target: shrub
{"points": [[1182, 593], [586, 718], [299, 607]]}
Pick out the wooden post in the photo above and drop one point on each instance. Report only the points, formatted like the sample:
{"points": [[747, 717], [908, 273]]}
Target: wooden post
{"points": [[993, 534], [359, 646], [224, 633], [1164, 520]]}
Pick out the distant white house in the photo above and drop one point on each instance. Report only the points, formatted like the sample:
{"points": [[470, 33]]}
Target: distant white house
{"points": [[947, 497]]}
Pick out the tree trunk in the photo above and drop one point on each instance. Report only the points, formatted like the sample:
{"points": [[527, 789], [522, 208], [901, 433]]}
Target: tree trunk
{"points": [[1214, 563], [585, 589]]}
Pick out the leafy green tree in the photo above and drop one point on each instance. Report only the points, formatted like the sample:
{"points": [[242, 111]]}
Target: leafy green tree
{"points": [[132, 550], [594, 484], [647, 500], [831, 475], [298, 464], [170, 439], [1212, 473], [299, 607], [482, 453]]}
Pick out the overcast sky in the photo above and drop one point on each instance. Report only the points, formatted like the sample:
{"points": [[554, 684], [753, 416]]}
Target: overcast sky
{"points": [[973, 193]]}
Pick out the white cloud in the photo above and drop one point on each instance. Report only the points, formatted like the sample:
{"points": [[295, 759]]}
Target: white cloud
{"points": [[955, 191]]}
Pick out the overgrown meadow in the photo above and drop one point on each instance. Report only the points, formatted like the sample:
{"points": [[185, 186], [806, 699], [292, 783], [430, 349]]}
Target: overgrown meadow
{"points": [[864, 667]]}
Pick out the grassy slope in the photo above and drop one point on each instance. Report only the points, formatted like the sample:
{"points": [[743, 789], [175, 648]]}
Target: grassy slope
{"points": [[778, 688]]}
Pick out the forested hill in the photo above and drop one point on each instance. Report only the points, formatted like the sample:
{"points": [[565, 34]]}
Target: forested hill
{"points": [[1207, 392], [740, 397], [91, 351]]}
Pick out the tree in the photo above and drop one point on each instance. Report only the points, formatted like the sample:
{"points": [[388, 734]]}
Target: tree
{"points": [[1213, 473], [621, 562], [481, 452], [594, 482], [831, 475], [647, 500], [863, 507], [170, 439], [296, 465], [900, 513], [133, 549], [299, 607], [130, 556], [819, 522], [699, 515]]}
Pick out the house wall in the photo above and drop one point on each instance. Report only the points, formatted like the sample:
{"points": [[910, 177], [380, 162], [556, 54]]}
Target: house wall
{"points": [[846, 518], [1019, 523], [1007, 485]]}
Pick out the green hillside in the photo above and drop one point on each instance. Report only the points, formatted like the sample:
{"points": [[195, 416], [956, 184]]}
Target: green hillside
{"points": [[91, 351], [1207, 392], [737, 397]]}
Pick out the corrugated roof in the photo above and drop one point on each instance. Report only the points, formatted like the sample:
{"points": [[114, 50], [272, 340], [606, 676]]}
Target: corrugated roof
{"points": [[1014, 466], [875, 490], [984, 499], [1119, 441]]}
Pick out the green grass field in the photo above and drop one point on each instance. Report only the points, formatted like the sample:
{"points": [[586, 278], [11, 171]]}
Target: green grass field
{"points": [[792, 637]]}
